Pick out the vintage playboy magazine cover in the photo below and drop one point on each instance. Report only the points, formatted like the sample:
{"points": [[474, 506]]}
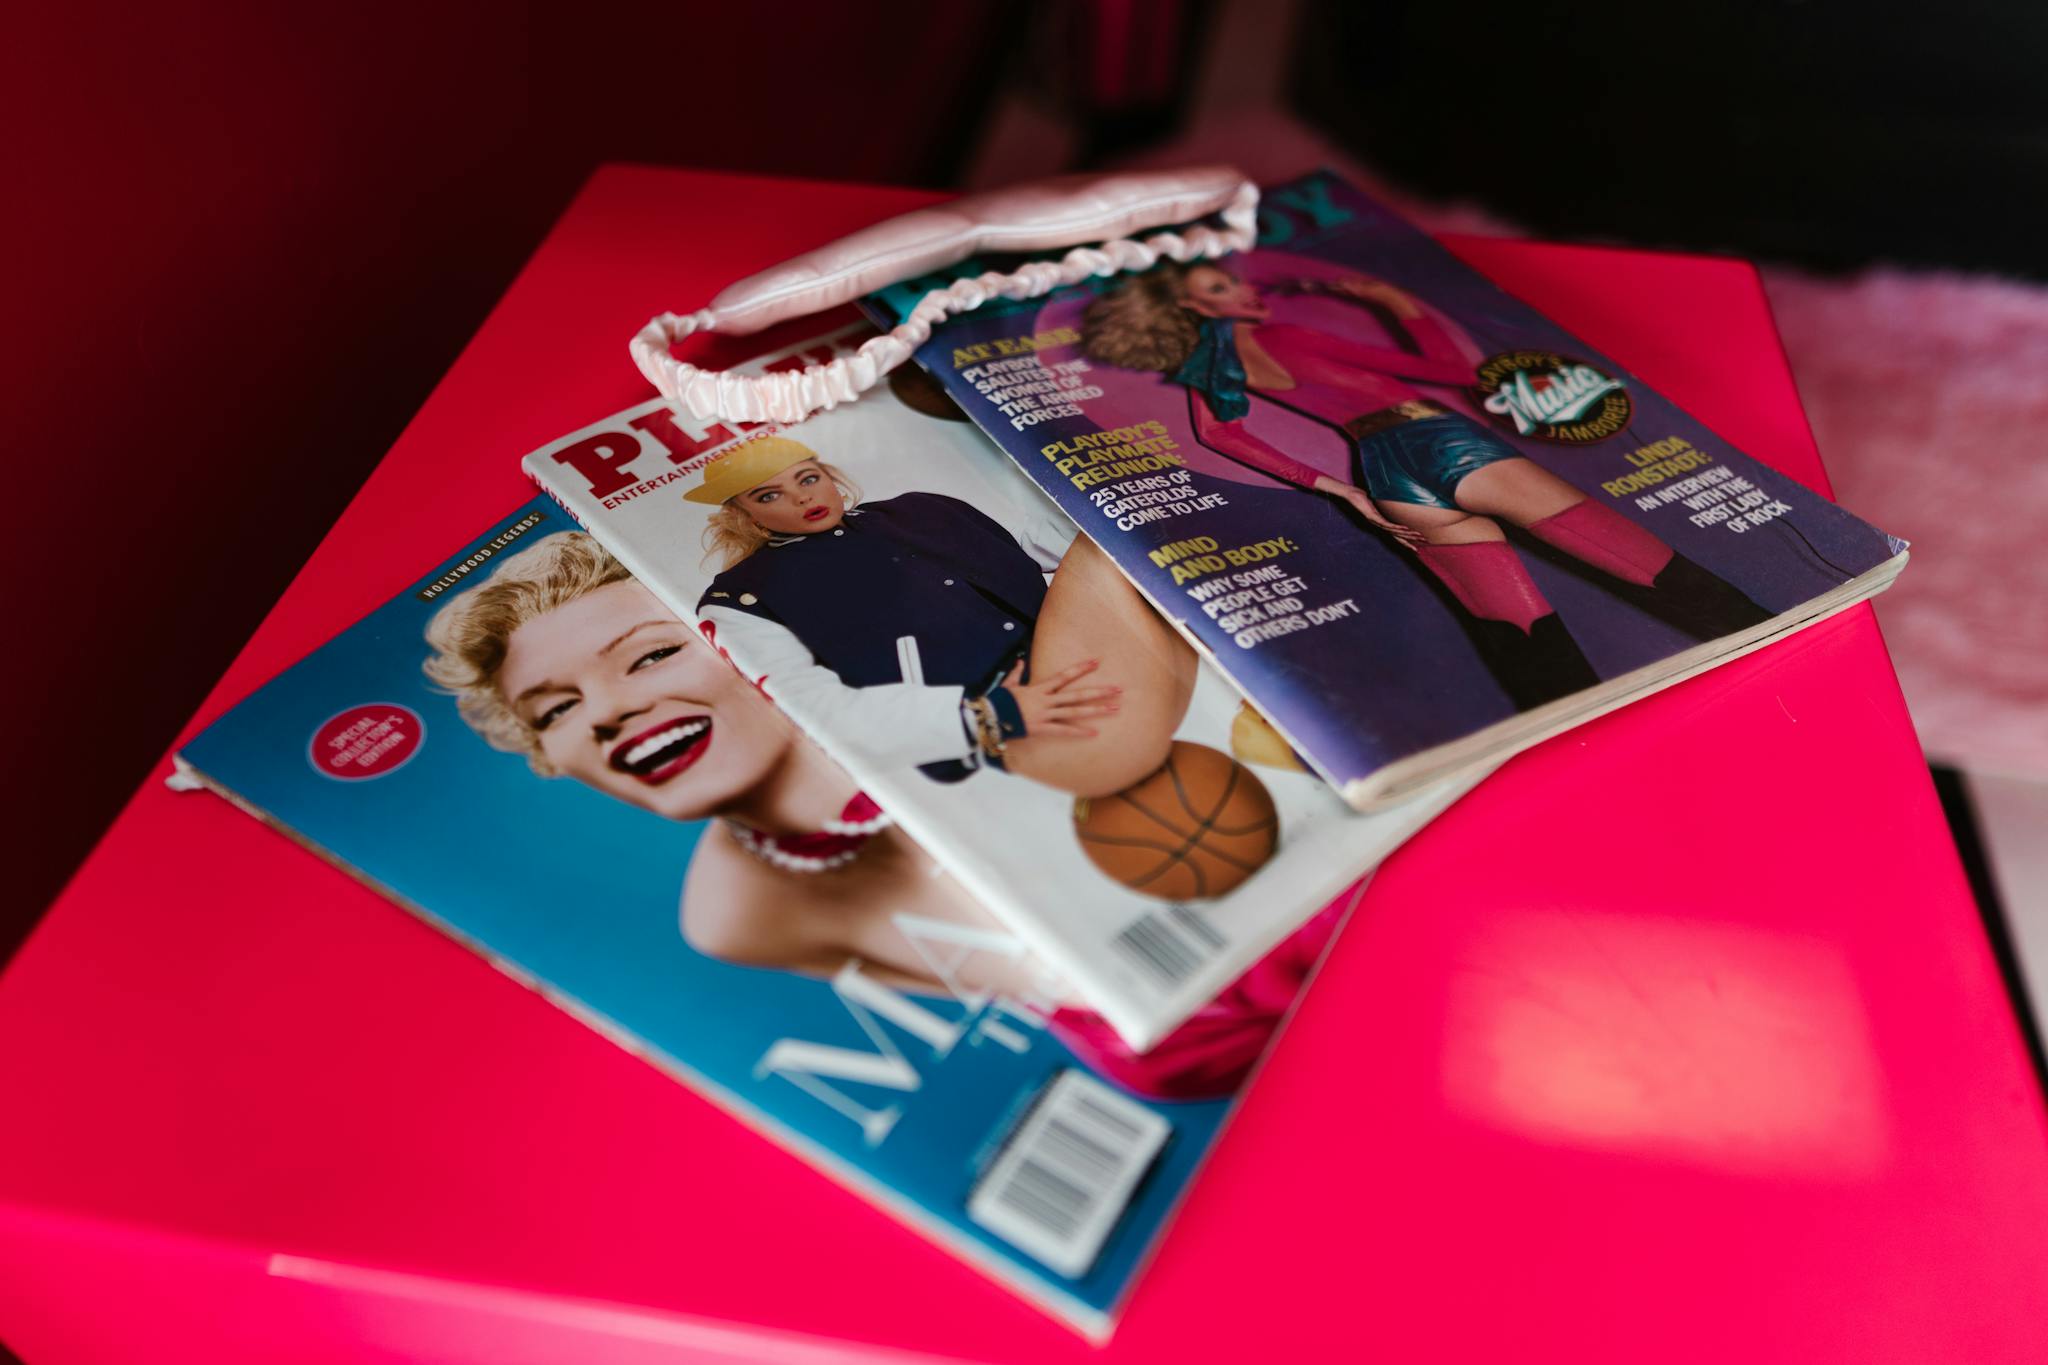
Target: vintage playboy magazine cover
{"points": [[1416, 522], [532, 753], [989, 677]]}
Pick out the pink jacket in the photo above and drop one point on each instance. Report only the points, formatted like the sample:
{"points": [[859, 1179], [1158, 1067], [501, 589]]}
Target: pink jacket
{"points": [[1335, 379]]}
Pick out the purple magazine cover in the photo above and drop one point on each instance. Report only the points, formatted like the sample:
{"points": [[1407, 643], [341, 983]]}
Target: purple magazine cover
{"points": [[1397, 505]]}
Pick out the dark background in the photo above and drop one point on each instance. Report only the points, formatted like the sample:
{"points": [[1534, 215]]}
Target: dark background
{"points": [[1826, 134], [243, 242]]}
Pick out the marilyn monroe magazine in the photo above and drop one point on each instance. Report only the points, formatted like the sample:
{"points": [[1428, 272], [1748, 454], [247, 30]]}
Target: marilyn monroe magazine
{"points": [[1418, 524], [988, 676], [755, 925]]}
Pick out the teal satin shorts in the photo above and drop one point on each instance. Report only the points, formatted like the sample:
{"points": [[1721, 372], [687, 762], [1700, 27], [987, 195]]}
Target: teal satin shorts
{"points": [[1424, 461]]}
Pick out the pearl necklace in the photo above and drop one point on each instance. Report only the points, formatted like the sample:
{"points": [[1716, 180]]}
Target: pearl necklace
{"points": [[836, 845]]}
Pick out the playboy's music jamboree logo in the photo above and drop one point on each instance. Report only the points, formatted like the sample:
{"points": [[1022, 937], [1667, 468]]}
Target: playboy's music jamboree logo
{"points": [[1552, 397]]}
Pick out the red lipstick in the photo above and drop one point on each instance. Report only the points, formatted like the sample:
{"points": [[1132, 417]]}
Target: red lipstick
{"points": [[660, 752]]}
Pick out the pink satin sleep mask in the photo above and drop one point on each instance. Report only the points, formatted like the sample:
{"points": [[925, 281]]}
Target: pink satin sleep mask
{"points": [[1039, 216]]}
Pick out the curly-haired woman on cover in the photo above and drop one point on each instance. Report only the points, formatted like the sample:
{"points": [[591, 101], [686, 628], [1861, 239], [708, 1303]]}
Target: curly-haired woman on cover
{"points": [[1432, 478], [561, 656]]}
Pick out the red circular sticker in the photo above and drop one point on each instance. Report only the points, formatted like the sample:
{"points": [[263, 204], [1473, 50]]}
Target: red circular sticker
{"points": [[366, 741]]}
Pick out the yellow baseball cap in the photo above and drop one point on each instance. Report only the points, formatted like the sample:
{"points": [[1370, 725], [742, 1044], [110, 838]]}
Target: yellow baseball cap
{"points": [[746, 465]]}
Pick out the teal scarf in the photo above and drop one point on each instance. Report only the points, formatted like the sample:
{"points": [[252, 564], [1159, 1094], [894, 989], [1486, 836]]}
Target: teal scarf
{"points": [[1214, 370]]}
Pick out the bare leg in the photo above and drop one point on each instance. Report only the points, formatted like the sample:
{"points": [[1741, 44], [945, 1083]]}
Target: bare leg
{"points": [[1091, 611], [1441, 525], [1518, 491]]}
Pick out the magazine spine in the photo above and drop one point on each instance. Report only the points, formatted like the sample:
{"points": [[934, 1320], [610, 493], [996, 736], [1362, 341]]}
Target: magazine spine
{"points": [[568, 508]]}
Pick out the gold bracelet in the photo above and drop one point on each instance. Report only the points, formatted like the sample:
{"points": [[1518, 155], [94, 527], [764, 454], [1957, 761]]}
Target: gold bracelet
{"points": [[991, 733]]}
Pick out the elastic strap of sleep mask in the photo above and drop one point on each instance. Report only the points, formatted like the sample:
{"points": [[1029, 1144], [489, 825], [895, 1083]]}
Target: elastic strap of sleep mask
{"points": [[1041, 216]]}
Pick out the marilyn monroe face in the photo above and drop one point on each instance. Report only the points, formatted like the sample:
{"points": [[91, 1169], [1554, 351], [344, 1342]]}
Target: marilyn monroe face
{"points": [[627, 699]]}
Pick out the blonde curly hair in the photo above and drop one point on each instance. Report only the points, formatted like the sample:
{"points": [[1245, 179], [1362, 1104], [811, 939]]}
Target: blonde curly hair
{"points": [[1143, 325], [731, 535], [471, 634]]}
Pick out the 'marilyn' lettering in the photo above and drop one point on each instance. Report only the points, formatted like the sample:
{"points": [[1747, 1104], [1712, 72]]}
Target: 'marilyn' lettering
{"points": [[946, 948], [812, 1067]]}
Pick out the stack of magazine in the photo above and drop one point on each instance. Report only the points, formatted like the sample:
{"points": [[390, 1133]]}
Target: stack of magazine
{"points": [[961, 786]]}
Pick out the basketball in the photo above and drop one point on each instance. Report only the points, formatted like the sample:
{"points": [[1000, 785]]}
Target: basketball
{"points": [[1193, 830]]}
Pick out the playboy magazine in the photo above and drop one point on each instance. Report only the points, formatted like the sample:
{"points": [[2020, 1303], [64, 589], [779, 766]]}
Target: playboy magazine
{"points": [[755, 926], [1418, 524], [934, 622]]}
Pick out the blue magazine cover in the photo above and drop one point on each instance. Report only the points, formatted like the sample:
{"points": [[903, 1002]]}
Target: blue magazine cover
{"points": [[1417, 523], [755, 926]]}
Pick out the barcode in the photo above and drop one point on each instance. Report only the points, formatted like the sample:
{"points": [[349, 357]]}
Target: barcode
{"points": [[1066, 1175], [1169, 945]]}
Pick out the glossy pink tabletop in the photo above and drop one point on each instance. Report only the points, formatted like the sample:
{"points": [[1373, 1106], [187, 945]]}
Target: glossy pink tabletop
{"points": [[1679, 1040]]}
